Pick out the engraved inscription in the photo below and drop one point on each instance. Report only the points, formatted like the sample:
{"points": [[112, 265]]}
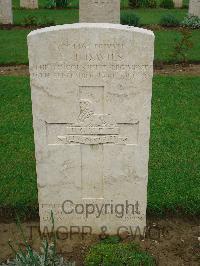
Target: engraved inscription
{"points": [[93, 126], [93, 139], [90, 71], [101, 2], [64, 134], [92, 61], [90, 130]]}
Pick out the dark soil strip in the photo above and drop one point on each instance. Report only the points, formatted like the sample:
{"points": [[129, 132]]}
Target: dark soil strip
{"points": [[162, 69], [172, 241], [178, 69], [17, 70], [35, 27]]}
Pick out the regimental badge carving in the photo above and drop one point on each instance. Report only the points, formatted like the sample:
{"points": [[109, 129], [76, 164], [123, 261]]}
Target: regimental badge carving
{"points": [[86, 110], [93, 126]]}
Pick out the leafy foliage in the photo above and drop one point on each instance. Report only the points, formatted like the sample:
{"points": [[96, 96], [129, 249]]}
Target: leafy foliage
{"points": [[148, 3], [169, 20], [182, 46], [192, 22], [57, 3], [167, 4], [29, 257], [133, 3], [130, 19], [117, 254], [34, 21], [142, 3]]}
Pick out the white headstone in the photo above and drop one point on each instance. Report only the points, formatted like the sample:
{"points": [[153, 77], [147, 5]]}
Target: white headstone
{"points": [[6, 15], [194, 8], [29, 4], [91, 94], [102, 11], [178, 3]]}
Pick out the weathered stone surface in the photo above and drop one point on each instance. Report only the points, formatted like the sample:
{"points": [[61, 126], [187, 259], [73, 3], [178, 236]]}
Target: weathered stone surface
{"points": [[103, 11], [91, 93], [29, 4], [6, 15], [178, 3], [194, 8]]}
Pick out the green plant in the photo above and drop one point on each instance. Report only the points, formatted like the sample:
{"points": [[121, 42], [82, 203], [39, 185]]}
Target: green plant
{"points": [[111, 240], [152, 3], [57, 3], [46, 21], [29, 257], [130, 19], [142, 3], [169, 20], [118, 254], [30, 21], [167, 4], [133, 3], [34, 21], [192, 22], [185, 5], [148, 3], [182, 46]]}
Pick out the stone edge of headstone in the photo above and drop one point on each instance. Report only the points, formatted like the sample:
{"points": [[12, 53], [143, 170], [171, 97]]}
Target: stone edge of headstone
{"points": [[91, 25]]}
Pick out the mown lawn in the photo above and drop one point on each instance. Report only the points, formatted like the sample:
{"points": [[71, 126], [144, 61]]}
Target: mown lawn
{"points": [[13, 46], [165, 42], [63, 16], [174, 183]]}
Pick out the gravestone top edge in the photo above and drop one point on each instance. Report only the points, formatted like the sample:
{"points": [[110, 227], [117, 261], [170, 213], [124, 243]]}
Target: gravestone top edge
{"points": [[91, 26]]}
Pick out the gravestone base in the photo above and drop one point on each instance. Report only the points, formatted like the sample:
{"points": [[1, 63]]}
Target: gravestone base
{"points": [[91, 95]]}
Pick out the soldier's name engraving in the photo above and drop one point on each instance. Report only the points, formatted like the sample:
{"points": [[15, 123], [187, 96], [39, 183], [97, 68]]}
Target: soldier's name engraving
{"points": [[98, 57]]}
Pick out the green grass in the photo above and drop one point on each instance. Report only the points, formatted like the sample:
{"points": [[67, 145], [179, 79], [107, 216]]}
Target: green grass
{"points": [[17, 170], [117, 254], [153, 15], [60, 16], [173, 174], [165, 42], [63, 16], [174, 180], [13, 46]]}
